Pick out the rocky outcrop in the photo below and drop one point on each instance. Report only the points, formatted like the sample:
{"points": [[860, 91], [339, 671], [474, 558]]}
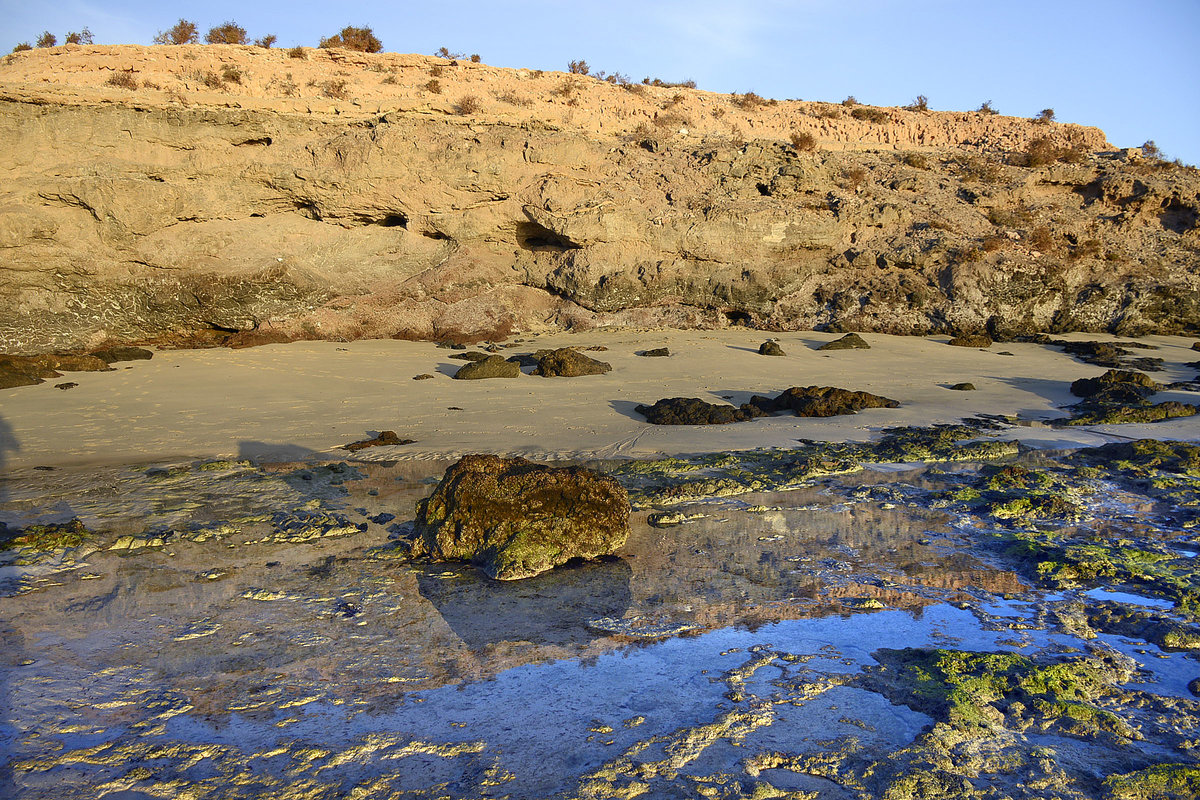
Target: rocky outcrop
{"points": [[490, 367], [514, 519], [334, 197], [569, 363], [821, 401]]}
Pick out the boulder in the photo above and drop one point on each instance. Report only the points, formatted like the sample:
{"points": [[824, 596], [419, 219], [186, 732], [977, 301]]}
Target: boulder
{"points": [[972, 340], [473, 355], [490, 367], [514, 519], [694, 411], [963, 387], [658, 352], [569, 363], [851, 341], [820, 401], [1122, 383], [29, 370], [770, 348]]}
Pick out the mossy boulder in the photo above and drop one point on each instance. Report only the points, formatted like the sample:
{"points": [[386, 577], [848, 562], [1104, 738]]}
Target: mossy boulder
{"points": [[972, 340], [1159, 782], [963, 387], [694, 411], [490, 367], [112, 355], [821, 401], [770, 348], [514, 519], [851, 341], [569, 363]]}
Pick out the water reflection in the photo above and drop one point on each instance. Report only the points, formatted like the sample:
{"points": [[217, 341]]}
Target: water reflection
{"points": [[550, 609]]}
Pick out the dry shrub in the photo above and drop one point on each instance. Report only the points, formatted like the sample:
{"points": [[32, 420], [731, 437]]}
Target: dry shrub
{"points": [[231, 74], [468, 105], [436, 71], [79, 37], [920, 104], [986, 108], [434, 86], [993, 243], [514, 99], [1089, 248], [1010, 218], [476, 58], [227, 33], [297, 52], [672, 120], [850, 102], [210, 79], [390, 80], [22, 47], [182, 32], [854, 177], [829, 112], [870, 114], [1040, 152], [350, 38], [748, 101], [1045, 116], [916, 160], [804, 142], [979, 168], [266, 42], [287, 86], [123, 80], [47, 39], [149, 84], [1041, 239], [335, 89]]}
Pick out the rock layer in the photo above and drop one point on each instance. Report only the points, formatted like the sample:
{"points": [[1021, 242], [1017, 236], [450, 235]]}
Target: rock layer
{"points": [[272, 208]]}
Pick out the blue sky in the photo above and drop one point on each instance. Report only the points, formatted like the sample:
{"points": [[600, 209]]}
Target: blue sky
{"points": [[1131, 68]]}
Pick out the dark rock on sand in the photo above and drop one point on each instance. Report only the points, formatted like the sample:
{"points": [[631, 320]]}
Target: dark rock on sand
{"points": [[821, 401], [963, 387], [1119, 415], [65, 386], [384, 438], [851, 341], [490, 367], [1107, 354], [569, 363], [112, 355], [1196, 346], [1116, 385], [694, 411], [424, 376], [658, 352], [514, 519], [770, 348], [473, 355], [972, 340]]}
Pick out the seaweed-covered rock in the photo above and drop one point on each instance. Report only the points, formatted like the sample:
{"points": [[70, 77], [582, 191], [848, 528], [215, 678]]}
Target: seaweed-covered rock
{"points": [[963, 387], [112, 355], [567, 362], [770, 348], [471, 355], [851, 341], [1108, 354], [657, 352], [971, 340], [514, 519], [384, 438], [821, 401], [490, 367], [1120, 415], [1138, 384], [694, 411]]}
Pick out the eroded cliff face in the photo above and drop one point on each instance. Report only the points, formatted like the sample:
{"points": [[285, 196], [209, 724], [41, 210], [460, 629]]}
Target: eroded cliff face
{"points": [[186, 211]]}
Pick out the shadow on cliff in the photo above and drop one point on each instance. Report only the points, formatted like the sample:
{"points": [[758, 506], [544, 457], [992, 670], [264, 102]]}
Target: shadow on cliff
{"points": [[549, 609]]}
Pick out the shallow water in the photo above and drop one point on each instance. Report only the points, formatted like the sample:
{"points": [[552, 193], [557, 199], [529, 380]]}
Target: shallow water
{"points": [[250, 654]]}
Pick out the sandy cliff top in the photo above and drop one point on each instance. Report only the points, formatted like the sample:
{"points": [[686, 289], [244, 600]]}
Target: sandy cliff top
{"points": [[348, 83]]}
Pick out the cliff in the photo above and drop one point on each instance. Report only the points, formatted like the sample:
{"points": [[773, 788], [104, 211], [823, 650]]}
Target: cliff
{"points": [[225, 193]]}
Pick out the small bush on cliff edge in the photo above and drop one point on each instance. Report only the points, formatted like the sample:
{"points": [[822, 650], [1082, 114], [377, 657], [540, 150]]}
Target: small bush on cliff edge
{"points": [[47, 39], [227, 33], [351, 38], [182, 32], [804, 142], [22, 47]]}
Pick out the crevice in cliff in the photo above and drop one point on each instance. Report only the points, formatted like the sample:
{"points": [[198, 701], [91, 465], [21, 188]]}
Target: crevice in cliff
{"points": [[261, 141], [538, 238]]}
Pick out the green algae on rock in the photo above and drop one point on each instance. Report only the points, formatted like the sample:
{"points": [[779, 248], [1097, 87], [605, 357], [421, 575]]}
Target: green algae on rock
{"points": [[514, 519], [1159, 782], [45, 538]]}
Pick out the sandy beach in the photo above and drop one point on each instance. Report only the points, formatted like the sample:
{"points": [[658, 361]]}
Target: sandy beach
{"points": [[307, 399]]}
